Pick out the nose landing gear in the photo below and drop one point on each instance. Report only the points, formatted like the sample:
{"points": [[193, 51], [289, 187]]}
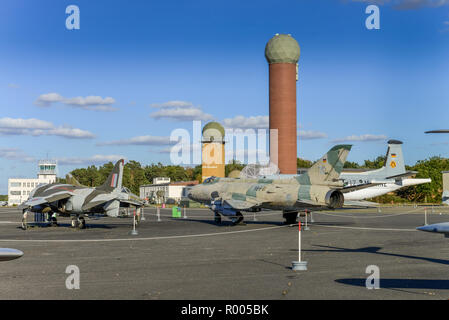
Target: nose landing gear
{"points": [[238, 219], [78, 222]]}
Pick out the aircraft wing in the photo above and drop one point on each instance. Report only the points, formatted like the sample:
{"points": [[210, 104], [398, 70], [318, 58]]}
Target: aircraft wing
{"points": [[437, 228], [361, 203], [93, 204], [246, 204], [438, 131], [9, 254], [133, 202], [309, 202], [403, 175], [41, 200], [359, 187]]}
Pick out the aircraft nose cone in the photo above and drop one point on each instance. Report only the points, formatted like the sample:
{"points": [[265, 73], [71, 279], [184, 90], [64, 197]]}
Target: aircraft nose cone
{"points": [[429, 228], [191, 194]]}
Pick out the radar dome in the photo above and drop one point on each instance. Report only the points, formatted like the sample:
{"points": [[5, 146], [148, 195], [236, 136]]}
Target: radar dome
{"points": [[213, 131], [282, 48]]}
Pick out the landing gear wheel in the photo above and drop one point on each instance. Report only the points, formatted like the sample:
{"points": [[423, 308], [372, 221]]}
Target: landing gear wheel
{"points": [[53, 222], [74, 222], [217, 218], [24, 220], [238, 219], [81, 223], [290, 217], [137, 218]]}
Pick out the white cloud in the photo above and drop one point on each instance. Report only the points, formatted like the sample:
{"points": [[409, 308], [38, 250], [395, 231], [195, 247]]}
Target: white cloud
{"points": [[95, 103], [252, 122], [15, 154], [140, 140], [97, 159], [180, 111], [71, 133], [173, 104], [13, 85], [407, 4], [36, 127], [362, 138], [45, 100], [416, 4], [186, 147], [310, 135]]}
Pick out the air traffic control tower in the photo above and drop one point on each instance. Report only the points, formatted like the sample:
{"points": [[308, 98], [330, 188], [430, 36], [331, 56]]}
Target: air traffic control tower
{"points": [[282, 54], [213, 152]]}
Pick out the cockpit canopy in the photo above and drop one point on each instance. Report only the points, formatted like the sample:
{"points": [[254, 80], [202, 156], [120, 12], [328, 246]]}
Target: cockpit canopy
{"points": [[126, 190], [210, 180]]}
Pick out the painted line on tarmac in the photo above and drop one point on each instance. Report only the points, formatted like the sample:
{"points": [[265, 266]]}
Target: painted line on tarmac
{"points": [[363, 228], [144, 239], [362, 217], [359, 217]]}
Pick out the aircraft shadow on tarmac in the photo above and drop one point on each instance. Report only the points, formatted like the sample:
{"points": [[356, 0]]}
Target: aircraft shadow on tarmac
{"points": [[250, 221], [373, 250], [228, 223], [69, 226], [400, 283]]}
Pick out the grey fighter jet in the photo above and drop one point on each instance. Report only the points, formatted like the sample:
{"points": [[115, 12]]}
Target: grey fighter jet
{"points": [[77, 201], [318, 188]]}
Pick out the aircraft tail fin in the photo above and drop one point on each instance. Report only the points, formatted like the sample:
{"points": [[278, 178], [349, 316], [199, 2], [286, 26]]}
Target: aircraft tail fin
{"points": [[445, 196], [72, 180], [115, 178], [329, 167], [394, 160]]}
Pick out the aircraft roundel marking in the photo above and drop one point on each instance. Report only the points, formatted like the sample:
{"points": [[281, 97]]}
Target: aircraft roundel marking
{"points": [[393, 164]]}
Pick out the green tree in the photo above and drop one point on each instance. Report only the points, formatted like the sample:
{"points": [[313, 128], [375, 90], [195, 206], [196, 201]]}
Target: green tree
{"points": [[352, 165], [375, 164], [427, 192], [233, 165], [302, 163]]}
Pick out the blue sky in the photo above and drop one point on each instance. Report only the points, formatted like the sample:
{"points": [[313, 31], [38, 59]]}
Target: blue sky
{"points": [[84, 96]]}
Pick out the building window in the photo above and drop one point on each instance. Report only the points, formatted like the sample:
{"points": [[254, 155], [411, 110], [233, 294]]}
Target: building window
{"points": [[15, 184]]}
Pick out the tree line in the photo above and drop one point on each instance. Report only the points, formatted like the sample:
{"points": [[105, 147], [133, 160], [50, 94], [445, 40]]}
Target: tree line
{"points": [[135, 175]]}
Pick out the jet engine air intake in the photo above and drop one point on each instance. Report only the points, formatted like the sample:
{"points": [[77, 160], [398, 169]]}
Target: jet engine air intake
{"points": [[334, 199]]}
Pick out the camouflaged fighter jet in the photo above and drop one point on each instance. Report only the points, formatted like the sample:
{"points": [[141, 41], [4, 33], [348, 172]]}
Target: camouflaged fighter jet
{"points": [[319, 188], [75, 200]]}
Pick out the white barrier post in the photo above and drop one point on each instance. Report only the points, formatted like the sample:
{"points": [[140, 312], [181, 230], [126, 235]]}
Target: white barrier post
{"points": [[142, 214], [299, 265], [425, 216], [306, 227], [158, 210], [134, 231], [185, 215]]}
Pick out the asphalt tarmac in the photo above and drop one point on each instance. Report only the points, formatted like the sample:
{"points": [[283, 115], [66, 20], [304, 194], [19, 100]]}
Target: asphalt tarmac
{"points": [[193, 258]]}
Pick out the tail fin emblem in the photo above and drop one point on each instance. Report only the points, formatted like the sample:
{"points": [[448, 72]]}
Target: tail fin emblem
{"points": [[114, 180]]}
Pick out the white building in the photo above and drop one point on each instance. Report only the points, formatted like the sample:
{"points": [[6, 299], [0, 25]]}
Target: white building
{"points": [[19, 188], [162, 189]]}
